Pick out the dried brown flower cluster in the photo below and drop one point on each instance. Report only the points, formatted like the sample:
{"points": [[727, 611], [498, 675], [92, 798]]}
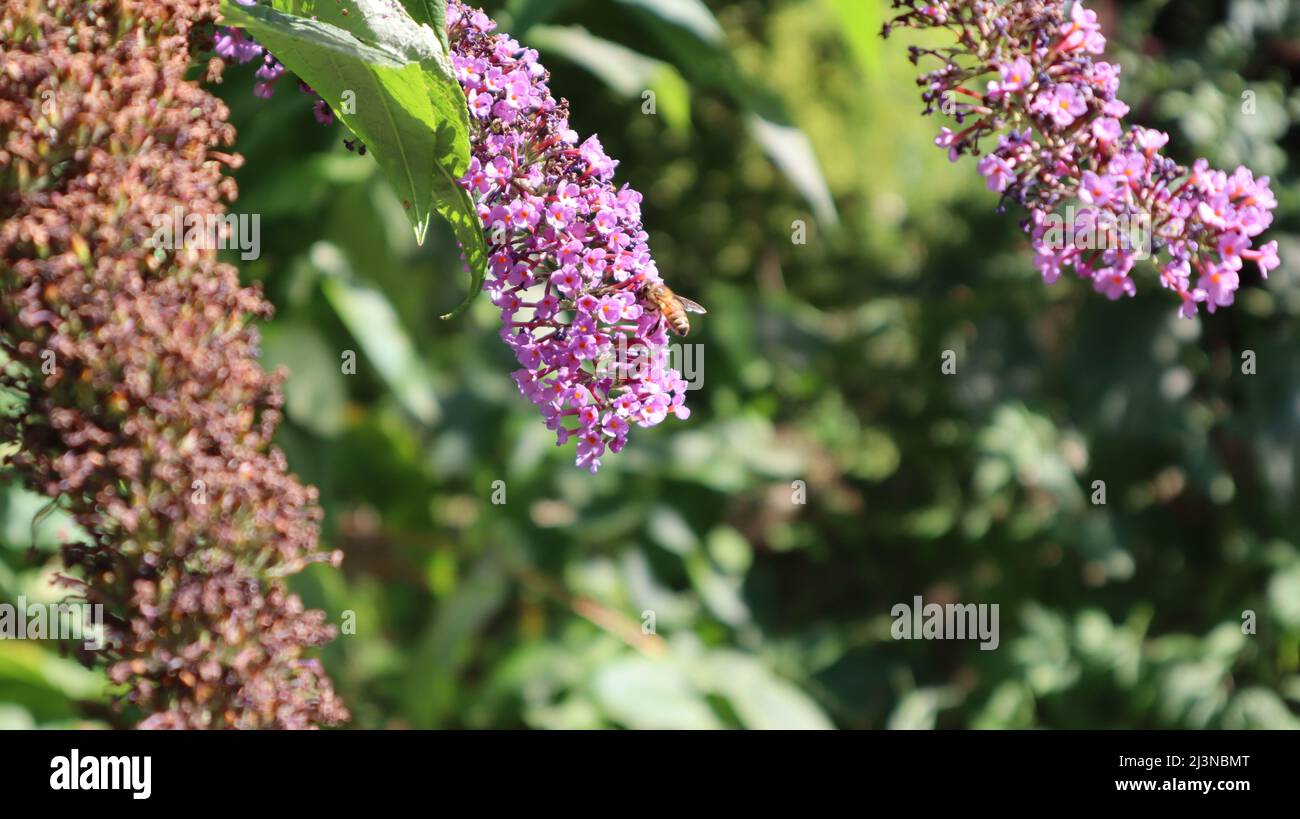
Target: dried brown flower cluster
{"points": [[145, 408]]}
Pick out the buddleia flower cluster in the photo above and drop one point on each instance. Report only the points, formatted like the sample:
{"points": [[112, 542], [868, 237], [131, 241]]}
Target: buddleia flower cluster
{"points": [[568, 254], [1032, 97], [141, 404], [568, 257]]}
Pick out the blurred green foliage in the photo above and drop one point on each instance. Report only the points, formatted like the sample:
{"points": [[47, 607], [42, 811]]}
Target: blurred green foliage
{"points": [[821, 365]]}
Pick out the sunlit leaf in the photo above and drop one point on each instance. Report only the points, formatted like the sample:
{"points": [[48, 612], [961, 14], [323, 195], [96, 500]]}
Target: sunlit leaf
{"points": [[688, 30], [521, 15], [373, 322], [389, 80], [627, 72], [652, 694], [315, 393], [859, 25], [432, 13], [761, 699], [691, 15]]}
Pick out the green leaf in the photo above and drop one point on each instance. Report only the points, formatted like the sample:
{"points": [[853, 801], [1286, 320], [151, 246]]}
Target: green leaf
{"points": [[27, 662], [28, 520], [859, 25], [521, 15], [1284, 596], [691, 15], [691, 34], [372, 321], [791, 151], [653, 694], [671, 531], [720, 593], [627, 72], [432, 13], [918, 710], [402, 99], [761, 699], [315, 395], [376, 22]]}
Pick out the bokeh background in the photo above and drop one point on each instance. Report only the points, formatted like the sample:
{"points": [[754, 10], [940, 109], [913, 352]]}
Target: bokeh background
{"points": [[821, 364]]}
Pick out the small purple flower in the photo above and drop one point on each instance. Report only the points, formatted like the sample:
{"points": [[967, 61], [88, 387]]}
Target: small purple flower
{"points": [[1113, 283], [234, 44], [1175, 274], [1083, 31], [1107, 129], [1016, 76], [1231, 245], [1050, 264], [1265, 257], [997, 172], [321, 111], [1062, 104], [1220, 286], [1094, 189], [1196, 219]]}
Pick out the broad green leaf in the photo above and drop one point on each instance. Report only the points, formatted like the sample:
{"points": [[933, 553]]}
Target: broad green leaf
{"points": [[671, 531], [389, 80], [1011, 705], [377, 22], [432, 13], [761, 699], [1284, 596], [919, 709], [627, 72], [315, 394], [28, 520], [719, 592], [521, 15], [694, 38], [373, 322], [652, 694], [691, 15], [384, 87], [791, 150], [859, 24]]}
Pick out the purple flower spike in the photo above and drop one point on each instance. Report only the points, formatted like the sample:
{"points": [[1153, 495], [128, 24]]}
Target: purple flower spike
{"points": [[1066, 145], [568, 257], [568, 260]]}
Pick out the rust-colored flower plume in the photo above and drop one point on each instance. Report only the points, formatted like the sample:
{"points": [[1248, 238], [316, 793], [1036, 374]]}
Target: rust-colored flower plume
{"points": [[143, 406]]}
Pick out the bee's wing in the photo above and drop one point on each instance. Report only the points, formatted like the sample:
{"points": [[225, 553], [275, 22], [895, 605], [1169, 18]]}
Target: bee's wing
{"points": [[690, 306]]}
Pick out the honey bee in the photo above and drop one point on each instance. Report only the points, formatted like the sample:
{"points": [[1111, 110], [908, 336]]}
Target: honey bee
{"points": [[672, 307]]}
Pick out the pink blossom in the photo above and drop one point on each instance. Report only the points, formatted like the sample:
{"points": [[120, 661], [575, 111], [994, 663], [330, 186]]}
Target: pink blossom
{"points": [[1265, 257], [1078, 150], [1114, 284], [576, 251], [1063, 104], [997, 172]]}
